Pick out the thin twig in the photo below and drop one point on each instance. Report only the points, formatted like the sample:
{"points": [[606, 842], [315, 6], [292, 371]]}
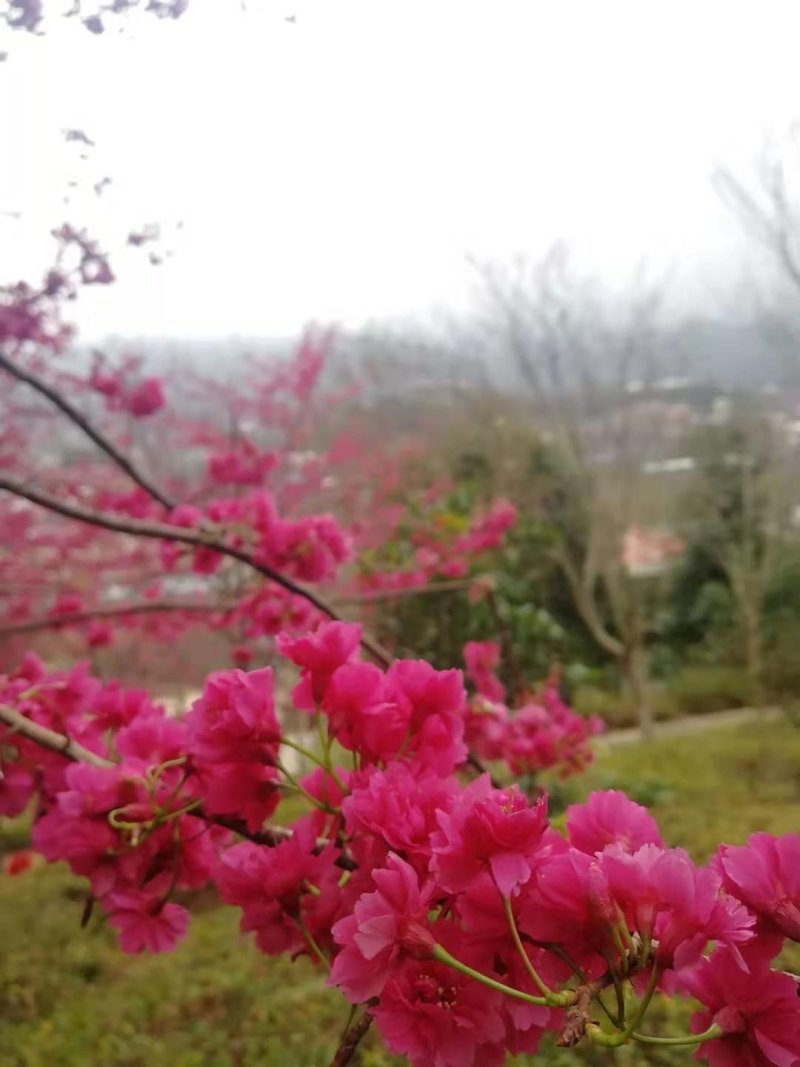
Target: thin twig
{"points": [[102, 442], [72, 750], [164, 532], [351, 1040], [578, 1016], [376, 596], [49, 739], [72, 618]]}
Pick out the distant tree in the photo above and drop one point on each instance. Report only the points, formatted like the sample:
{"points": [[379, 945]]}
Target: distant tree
{"points": [[739, 507], [586, 363], [767, 203]]}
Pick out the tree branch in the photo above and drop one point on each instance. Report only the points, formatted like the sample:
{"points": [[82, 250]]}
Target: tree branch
{"points": [[91, 432], [351, 1040], [145, 607], [376, 596], [164, 532], [72, 750], [49, 739], [584, 601]]}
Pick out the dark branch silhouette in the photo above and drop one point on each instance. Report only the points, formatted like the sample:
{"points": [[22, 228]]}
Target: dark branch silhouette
{"points": [[75, 416], [198, 539]]}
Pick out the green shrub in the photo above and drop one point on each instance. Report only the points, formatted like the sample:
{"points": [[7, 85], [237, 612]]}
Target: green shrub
{"points": [[616, 709], [781, 661], [69, 998], [700, 689], [694, 690]]}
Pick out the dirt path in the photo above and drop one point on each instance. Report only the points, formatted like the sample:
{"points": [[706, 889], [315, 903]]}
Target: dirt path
{"points": [[692, 724]]}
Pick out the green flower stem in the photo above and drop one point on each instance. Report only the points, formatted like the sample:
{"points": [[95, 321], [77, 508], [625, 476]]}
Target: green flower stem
{"points": [[619, 995], [167, 765], [181, 783], [600, 1037], [689, 1039], [622, 952], [537, 981], [621, 1037], [644, 1003], [350, 1017], [303, 751], [193, 805], [603, 1038], [312, 944], [320, 804], [324, 740], [316, 760], [626, 934], [581, 976], [443, 956]]}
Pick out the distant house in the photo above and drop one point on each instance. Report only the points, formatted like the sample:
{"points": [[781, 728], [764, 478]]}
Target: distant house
{"points": [[647, 552]]}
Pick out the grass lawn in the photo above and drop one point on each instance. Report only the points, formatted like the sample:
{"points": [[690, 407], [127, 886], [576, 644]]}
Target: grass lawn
{"points": [[68, 998]]}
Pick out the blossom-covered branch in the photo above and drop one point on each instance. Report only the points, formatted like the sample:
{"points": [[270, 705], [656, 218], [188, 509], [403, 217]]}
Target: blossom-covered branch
{"points": [[461, 920], [200, 539], [112, 611], [123, 461]]}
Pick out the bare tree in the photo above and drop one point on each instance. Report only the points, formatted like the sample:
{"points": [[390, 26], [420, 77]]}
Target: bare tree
{"points": [[741, 508], [588, 364], [767, 205]]}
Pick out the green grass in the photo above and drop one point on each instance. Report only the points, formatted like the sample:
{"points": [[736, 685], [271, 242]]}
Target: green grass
{"points": [[68, 998]]}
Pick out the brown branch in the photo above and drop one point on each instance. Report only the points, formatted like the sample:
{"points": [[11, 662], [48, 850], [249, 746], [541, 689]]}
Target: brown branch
{"points": [[54, 742], [583, 597], [164, 532], [49, 739], [351, 1040], [72, 618], [378, 595], [91, 432], [579, 1015]]}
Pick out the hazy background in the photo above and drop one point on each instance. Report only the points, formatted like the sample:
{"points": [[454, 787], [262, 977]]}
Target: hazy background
{"points": [[342, 161], [560, 243]]}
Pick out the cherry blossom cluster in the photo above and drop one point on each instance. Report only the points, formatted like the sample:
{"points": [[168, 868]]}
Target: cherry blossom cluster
{"points": [[447, 906], [437, 550], [240, 462], [310, 549], [123, 391], [540, 733]]}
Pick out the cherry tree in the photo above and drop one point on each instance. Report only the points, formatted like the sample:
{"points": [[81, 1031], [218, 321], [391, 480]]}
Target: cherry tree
{"points": [[434, 894]]}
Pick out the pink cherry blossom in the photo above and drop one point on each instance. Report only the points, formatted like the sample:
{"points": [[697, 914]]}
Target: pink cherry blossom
{"points": [[482, 659], [362, 713], [440, 1018], [384, 927], [271, 886], [758, 1010], [610, 818], [146, 398], [494, 830], [319, 655], [144, 920], [399, 805], [432, 703], [765, 875]]}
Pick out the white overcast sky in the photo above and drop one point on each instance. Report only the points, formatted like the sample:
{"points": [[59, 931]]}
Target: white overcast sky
{"points": [[344, 165]]}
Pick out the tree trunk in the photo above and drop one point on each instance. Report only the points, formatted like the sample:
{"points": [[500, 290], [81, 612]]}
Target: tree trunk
{"points": [[754, 651], [634, 669]]}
